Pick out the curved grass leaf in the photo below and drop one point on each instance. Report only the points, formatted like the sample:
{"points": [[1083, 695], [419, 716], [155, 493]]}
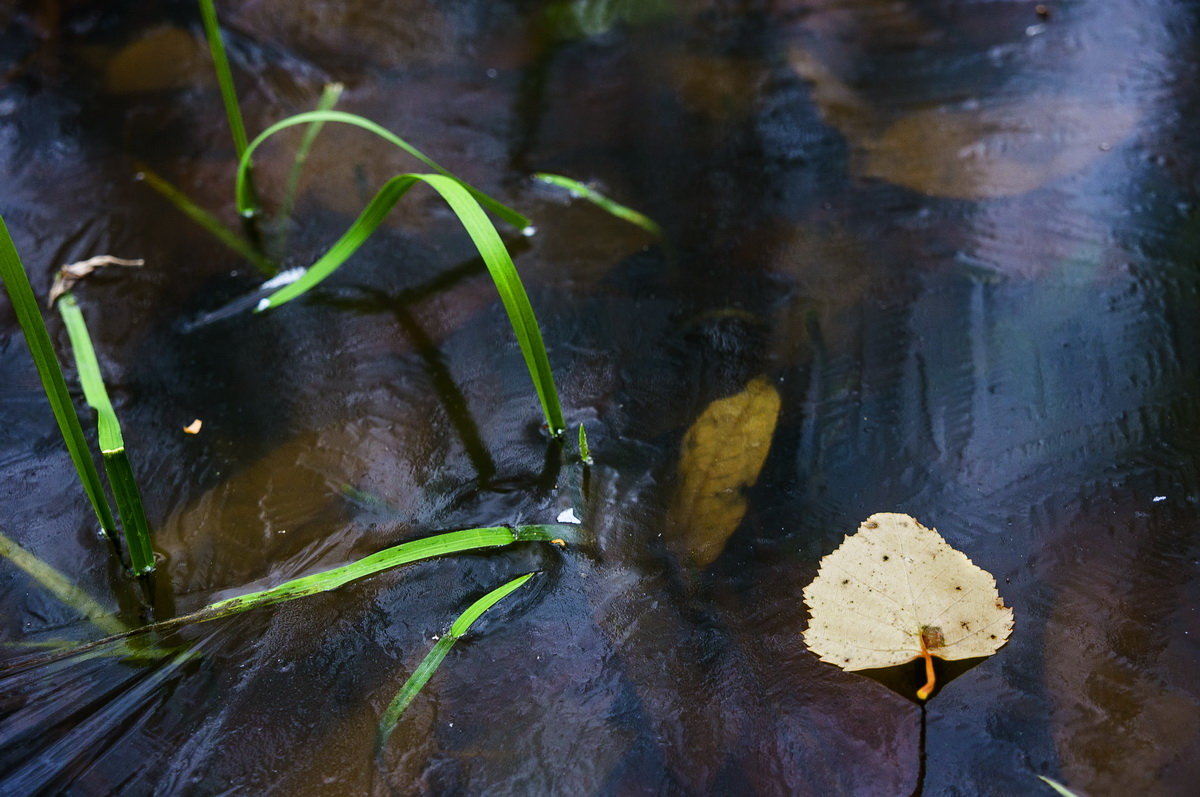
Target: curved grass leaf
{"points": [[112, 444], [429, 665], [29, 316], [491, 248], [615, 208], [451, 542], [244, 193]]}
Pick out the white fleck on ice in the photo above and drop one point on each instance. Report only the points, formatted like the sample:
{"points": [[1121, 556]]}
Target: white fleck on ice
{"points": [[568, 516]]}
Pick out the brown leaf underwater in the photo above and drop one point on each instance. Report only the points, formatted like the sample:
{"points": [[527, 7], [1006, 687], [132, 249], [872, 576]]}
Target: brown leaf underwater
{"points": [[722, 454]]}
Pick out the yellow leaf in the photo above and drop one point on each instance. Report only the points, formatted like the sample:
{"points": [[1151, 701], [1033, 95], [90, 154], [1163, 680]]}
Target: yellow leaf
{"points": [[723, 453], [895, 591]]}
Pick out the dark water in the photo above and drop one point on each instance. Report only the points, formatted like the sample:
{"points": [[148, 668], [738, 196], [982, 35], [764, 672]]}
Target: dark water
{"points": [[959, 237]]}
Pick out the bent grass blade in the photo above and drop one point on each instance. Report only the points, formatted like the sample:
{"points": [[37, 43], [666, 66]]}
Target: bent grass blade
{"points": [[583, 191], [490, 537], [490, 247], [429, 665], [244, 193], [112, 443], [29, 316]]}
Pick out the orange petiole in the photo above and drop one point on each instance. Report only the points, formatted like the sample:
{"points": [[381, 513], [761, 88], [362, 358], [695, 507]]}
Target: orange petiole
{"points": [[930, 681]]}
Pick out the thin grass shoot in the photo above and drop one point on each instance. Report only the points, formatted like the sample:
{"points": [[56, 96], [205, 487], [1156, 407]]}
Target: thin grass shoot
{"points": [[585, 453], [429, 665], [583, 191], [209, 222], [329, 98]]}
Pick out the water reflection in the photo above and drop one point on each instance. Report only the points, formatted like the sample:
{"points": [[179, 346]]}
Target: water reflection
{"points": [[957, 238]]}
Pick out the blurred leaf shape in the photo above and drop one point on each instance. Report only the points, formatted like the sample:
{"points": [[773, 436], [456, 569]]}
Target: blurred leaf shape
{"points": [[165, 58], [996, 148], [723, 453], [896, 591]]}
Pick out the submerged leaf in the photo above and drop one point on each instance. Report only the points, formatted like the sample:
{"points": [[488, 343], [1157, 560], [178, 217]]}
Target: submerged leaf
{"points": [[723, 453], [999, 149], [896, 591]]}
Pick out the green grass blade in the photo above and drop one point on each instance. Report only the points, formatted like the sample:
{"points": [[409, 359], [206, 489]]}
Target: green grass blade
{"points": [[354, 237], [429, 665], [29, 315], [615, 208], [405, 553], [491, 248], [329, 97], [467, 619], [133, 514], [1059, 789], [61, 587], [109, 430], [216, 46], [209, 222], [112, 444], [244, 194], [490, 537]]}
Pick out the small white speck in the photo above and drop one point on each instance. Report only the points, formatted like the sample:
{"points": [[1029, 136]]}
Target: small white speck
{"points": [[1034, 30], [492, 73], [1158, 498], [568, 516], [529, 231], [263, 304]]}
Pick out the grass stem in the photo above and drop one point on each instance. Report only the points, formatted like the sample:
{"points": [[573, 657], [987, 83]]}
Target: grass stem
{"points": [[216, 46]]}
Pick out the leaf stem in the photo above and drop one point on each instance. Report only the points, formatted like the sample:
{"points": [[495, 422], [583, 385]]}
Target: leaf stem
{"points": [[930, 680]]}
